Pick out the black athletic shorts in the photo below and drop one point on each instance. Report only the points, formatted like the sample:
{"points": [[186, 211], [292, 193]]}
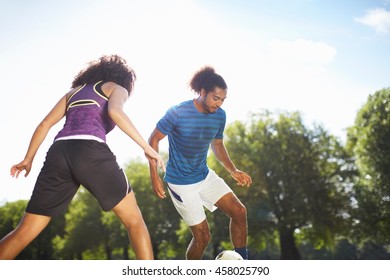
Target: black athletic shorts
{"points": [[71, 163]]}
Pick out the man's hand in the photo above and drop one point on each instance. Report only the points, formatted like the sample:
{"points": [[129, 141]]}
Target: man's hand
{"points": [[242, 178], [158, 188]]}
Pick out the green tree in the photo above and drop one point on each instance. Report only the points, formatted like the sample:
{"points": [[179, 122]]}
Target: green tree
{"points": [[345, 250], [368, 141], [300, 176], [116, 237]]}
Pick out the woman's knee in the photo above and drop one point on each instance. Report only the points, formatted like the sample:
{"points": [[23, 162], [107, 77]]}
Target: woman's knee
{"points": [[132, 220], [29, 227], [128, 212]]}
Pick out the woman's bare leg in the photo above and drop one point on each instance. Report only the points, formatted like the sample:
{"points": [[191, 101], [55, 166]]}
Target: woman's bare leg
{"points": [[128, 212], [29, 227]]}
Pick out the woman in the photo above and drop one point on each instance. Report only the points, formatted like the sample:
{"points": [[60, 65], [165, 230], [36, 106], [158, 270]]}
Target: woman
{"points": [[80, 156]]}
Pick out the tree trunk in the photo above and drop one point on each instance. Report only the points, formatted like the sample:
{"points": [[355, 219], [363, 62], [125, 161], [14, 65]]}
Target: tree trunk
{"points": [[155, 250], [288, 248], [125, 252], [108, 252], [216, 249]]}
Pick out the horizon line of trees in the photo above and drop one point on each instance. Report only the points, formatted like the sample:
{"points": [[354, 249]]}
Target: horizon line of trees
{"points": [[312, 197]]}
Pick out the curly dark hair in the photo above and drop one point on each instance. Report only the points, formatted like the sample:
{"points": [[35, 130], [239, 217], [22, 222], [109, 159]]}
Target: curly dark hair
{"points": [[206, 79], [110, 68]]}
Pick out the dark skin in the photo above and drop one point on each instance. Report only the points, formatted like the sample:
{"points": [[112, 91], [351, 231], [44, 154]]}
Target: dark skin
{"points": [[209, 103]]}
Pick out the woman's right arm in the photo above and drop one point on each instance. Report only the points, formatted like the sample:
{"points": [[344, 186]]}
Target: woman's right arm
{"points": [[39, 135]]}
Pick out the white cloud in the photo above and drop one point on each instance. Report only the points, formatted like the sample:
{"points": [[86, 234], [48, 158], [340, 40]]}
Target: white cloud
{"points": [[378, 18]]}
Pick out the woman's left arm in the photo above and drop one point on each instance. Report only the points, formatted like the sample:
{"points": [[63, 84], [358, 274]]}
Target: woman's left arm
{"points": [[117, 98]]}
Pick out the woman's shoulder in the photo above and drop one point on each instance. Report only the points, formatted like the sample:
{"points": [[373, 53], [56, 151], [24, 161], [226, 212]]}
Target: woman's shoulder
{"points": [[74, 90], [108, 87]]}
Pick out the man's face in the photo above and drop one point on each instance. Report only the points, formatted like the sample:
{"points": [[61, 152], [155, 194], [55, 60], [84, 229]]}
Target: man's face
{"points": [[213, 100]]}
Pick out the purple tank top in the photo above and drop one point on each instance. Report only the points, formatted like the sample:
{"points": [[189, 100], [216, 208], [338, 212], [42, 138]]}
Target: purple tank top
{"points": [[87, 114]]}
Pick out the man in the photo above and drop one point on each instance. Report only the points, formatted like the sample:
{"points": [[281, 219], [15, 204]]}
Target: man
{"points": [[192, 127]]}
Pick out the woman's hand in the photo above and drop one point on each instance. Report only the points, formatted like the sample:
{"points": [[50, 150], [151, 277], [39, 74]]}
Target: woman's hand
{"points": [[23, 165], [151, 154]]}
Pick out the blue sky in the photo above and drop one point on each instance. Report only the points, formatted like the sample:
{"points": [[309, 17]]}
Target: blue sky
{"points": [[320, 57]]}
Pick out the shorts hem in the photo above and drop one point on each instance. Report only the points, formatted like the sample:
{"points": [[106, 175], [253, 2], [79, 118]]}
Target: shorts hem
{"points": [[44, 213]]}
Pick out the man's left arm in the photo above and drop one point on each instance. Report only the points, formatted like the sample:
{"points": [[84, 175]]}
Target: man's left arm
{"points": [[221, 153]]}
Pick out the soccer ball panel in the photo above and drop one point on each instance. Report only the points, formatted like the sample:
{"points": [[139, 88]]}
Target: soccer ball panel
{"points": [[229, 255]]}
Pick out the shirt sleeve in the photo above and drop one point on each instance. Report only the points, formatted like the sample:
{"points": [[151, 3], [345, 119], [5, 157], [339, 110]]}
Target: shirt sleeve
{"points": [[221, 129], [168, 121]]}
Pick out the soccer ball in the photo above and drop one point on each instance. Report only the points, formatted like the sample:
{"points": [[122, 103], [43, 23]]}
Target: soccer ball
{"points": [[228, 255]]}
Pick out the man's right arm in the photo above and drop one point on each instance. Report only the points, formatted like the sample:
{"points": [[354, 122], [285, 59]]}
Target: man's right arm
{"points": [[158, 186]]}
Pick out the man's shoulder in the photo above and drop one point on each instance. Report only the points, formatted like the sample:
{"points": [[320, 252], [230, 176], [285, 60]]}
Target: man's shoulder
{"points": [[221, 111], [181, 106], [184, 104]]}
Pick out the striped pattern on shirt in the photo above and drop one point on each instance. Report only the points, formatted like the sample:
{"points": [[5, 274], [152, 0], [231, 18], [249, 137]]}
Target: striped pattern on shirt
{"points": [[189, 134]]}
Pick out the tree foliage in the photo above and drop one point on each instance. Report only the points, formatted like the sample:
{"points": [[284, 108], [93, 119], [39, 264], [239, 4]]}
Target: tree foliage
{"points": [[300, 178], [368, 141]]}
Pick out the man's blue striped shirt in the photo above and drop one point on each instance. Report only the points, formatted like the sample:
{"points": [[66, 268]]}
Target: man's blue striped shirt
{"points": [[190, 133]]}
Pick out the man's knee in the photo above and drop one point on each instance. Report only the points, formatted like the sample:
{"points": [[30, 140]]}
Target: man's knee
{"points": [[237, 211], [201, 235], [241, 211]]}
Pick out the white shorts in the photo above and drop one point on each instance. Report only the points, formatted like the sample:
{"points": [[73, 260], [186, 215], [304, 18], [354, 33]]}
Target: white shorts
{"points": [[189, 200]]}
